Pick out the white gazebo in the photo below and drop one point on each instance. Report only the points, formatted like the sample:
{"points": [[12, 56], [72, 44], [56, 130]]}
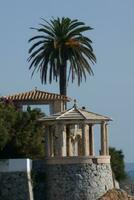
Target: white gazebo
{"points": [[70, 134]]}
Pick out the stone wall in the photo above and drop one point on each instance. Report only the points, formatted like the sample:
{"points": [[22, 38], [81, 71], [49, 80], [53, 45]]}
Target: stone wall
{"points": [[85, 181], [15, 179], [39, 179], [14, 186], [77, 181]]}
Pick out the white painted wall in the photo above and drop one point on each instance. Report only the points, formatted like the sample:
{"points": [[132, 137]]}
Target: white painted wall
{"points": [[15, 165]]}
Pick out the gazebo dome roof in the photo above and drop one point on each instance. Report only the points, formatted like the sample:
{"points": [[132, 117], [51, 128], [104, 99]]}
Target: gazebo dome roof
{"points": [[76, 113]]}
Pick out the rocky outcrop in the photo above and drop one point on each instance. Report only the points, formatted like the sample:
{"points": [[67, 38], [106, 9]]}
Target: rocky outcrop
{"points": [[116, 194]]}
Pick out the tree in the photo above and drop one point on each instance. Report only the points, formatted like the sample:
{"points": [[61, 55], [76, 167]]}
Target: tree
{"points": [[7, 121], [117, 163], [20, 133], [28, 138], [61, 42]]}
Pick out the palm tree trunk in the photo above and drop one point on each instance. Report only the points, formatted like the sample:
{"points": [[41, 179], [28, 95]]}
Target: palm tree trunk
{"points": [[63, 80]]}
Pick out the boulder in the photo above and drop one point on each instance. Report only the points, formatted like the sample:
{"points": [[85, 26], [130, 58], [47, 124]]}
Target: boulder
{"points": [[116, 194]]}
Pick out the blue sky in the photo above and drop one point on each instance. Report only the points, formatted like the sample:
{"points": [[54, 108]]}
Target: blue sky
{"points": [[110, 90]]}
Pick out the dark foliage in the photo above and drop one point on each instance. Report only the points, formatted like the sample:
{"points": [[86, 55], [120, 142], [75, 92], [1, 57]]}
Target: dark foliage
{"points": [[20, 133], [117, 163]]}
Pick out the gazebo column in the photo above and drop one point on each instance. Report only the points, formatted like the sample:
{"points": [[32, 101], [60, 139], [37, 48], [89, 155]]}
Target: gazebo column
{"points": [[47, 142], [85, 140], [60, 146], [107, 142], [69, 142], [56, 138], [91, 140], [63, 140], [70, 152], [51, 141], [103, 139]]}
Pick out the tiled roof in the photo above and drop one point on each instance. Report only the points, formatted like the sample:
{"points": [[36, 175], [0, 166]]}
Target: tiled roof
{"points": [[37, 95], [76, 114]]}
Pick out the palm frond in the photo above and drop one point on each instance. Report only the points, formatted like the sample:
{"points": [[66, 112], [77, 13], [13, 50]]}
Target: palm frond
{"points": [[37, 37], [35, 45]]}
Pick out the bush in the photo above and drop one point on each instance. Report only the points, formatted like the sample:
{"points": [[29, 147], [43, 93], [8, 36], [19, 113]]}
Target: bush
{"points": [[117, 163], [20, 133]]}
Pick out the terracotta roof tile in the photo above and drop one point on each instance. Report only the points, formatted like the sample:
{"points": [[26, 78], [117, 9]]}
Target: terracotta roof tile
{"points": [[37, 95]]}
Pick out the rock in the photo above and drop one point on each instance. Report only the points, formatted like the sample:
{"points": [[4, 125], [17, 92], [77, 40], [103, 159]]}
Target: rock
{"points": [[116, 194]]}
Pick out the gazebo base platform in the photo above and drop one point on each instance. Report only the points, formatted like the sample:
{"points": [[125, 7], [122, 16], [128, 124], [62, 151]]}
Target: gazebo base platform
{"points": [[78, 160], [84, 178]]}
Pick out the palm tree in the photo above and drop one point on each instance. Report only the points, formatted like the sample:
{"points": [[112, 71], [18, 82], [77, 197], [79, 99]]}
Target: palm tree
{"points": [[60, 43]]}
